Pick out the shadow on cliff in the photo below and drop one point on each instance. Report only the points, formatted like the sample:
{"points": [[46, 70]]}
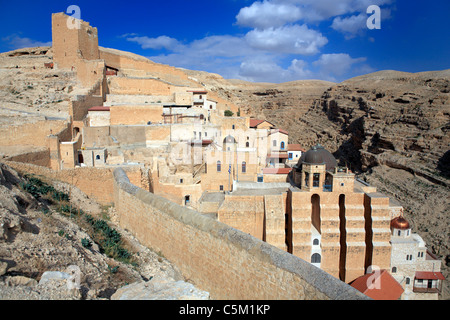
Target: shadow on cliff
{"points": [[443, 165], [348, 152]]}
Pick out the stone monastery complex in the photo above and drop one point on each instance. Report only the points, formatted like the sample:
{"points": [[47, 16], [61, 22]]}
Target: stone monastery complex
{"points": [[194, 148]]}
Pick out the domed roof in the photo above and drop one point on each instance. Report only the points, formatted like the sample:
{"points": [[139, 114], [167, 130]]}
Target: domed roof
{"points": [[400, 223], [229, 139], [318, 155]]}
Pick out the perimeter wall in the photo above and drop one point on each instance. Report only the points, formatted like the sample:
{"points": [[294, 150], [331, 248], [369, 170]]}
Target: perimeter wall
{"points": [[226, 262]]}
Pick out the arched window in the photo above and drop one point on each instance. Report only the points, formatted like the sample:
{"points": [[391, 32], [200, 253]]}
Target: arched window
{"points": [[394, 270], [97, 157], [247, 144], [316, 242], [282, 145], [407, 280], [315, 258], [244, 167], [219, 166]]}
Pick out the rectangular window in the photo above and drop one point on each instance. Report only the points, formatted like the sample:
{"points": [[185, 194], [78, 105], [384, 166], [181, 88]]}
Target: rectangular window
{"points": [[290, 156], [221, 187]]}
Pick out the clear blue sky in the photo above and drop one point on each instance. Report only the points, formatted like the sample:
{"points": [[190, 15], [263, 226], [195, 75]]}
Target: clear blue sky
{"points": [[266, 40]]}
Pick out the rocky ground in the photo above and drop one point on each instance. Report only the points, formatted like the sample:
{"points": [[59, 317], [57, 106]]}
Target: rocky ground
{"points": [[29, 90], [40, 246]]}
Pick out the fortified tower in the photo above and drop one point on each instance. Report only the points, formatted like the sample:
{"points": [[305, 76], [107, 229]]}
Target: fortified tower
{"points": [[331, 220], [72, 40]]}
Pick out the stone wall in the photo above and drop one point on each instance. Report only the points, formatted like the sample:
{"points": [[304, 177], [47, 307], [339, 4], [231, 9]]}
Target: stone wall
{"points": [[135, 114], [139, 86], [224, 261], [97, 183], [33, 134], [36, 157]]}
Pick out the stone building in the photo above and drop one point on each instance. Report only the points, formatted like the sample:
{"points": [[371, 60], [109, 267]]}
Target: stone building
{"points": [[347, 219], [338, 223], [412, 265]]}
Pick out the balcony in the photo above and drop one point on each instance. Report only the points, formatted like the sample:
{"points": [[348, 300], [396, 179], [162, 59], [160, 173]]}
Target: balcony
{"points": [[426, 290]]}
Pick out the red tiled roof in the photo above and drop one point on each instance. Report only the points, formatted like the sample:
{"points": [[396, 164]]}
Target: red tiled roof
{"points": [[429, 275], [278, 155], [204, 141], [295, 147], [276, 170], [256, 122], [383, 287], [279, 130], [99, 108]]}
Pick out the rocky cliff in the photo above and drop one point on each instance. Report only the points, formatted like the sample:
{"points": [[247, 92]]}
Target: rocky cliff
{"points": [[391, 128]]}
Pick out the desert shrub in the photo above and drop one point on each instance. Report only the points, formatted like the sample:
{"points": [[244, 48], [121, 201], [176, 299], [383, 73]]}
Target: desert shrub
{"points": [[228, 113], [86, 243], [38, 188], [109, 239]]}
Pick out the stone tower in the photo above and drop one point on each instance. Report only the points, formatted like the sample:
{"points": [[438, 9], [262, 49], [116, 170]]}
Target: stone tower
{"points": [[72, 39], [329, 216]]}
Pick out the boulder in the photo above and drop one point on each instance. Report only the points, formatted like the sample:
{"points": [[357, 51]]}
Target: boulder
{"points": [[53, 275], [159, 288], [3, 268]]}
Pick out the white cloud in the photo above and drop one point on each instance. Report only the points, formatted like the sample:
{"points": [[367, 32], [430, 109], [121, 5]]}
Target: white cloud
{"points": [[266, 14], [293, 39], [334, 65], [275, 13], [350, 26], [319, 10], [156, 43], [282, 33], [16, 42], [260, 69]]}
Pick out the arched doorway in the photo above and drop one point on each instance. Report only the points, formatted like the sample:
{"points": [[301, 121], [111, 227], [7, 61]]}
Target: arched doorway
{"points": [[80, 158]]}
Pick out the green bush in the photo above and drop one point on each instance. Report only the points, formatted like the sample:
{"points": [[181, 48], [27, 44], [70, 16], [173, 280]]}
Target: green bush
{"points": [[109, 239], [113, 270], [37, 188], [86, 243], [228, 113]]}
